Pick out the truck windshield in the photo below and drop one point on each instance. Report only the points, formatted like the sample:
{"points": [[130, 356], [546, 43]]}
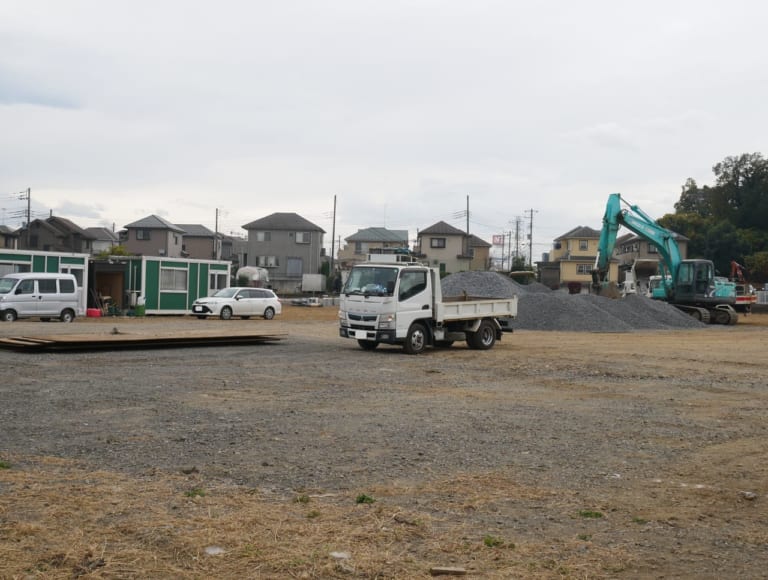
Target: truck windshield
{"points": [[379, 281]]}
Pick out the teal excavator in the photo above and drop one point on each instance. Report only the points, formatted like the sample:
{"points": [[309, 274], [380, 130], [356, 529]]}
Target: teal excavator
{"points": [[689, 285]]}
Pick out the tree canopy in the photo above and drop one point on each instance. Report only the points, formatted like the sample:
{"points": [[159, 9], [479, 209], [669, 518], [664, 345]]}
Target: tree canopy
{"points": [[728, 220]]}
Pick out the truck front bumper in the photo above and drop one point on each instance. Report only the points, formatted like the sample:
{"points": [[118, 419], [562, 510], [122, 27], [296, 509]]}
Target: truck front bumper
{"points": [[381, 336]]}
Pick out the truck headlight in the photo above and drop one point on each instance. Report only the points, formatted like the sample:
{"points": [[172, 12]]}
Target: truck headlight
{"points": [[388, 321], [343, 318]]}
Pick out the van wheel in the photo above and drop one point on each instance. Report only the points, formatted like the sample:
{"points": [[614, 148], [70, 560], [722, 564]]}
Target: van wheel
{"points": [[484, 338], [67, 316], [416, 341], [8, 316], [226, 313]]}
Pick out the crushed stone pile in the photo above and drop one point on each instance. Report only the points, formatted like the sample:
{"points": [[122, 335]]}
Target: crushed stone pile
{"points": [[540, 308]]}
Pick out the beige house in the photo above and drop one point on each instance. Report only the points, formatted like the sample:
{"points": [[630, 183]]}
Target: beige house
{"points": [[572, 259], [452, 250], [367, 241], [633, 250]]}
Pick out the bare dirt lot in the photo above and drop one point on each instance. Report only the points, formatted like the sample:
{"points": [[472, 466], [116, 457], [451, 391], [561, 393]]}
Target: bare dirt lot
{"points": [[563, 455]]}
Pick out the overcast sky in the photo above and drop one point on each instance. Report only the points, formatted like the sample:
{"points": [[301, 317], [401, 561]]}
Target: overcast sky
{"points": [[112, 111]]}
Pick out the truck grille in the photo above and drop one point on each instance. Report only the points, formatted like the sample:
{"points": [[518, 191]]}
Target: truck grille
{"points": [[363, 317]]}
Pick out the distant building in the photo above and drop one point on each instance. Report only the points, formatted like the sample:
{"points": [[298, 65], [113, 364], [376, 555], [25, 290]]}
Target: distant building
{"points": [[572, 259], [197, 242], [451, 250], [9, 238], [54, 234], [153, 236], [369, 240], [104, 239], [287, 245]]}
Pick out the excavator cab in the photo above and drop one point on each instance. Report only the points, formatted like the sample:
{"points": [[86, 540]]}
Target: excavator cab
{"points": [[696, 285]]}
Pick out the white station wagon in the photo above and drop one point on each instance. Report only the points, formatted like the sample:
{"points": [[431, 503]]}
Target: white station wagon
{"points": [[242, 302]]}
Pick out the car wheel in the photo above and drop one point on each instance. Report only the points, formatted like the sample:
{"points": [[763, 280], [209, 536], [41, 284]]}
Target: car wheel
{"points": [[226, 313], [416, 341], [67, 315], [367, 344], [8, 316], [269, 313]]}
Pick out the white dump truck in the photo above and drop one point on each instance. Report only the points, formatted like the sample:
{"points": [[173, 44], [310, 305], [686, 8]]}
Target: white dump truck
{"points": [[402, 303]]}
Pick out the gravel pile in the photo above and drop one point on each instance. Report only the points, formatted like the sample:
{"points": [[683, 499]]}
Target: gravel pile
{"points": [[540, 308]]}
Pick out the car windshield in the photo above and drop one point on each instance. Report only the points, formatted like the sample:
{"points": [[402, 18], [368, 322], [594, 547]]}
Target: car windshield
{"points": [[371, 280], [225, 293], [6, 284]]}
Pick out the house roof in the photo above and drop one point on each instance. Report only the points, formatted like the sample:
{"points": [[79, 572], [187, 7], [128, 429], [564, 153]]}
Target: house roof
{"points": [[6, 231], [582, 232], [154, 222], [379, 235], [196, 230], [442, 228], [283, 221], [475, 242], [102, 234], [66, 226]]}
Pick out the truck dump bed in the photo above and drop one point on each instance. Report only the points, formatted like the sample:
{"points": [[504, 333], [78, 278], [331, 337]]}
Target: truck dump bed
{"points": [[470, 307]]}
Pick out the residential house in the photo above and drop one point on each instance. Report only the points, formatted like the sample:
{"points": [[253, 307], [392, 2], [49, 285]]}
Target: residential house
{"points": [[198, 242], [104, 239], [55, 234], [153, 236], [633, 250], [571, 260], [370, 240], [451, 249], [9, 238], [288, 245]]}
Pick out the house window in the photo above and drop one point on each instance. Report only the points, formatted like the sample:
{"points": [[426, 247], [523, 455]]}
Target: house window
{"points": [[142, 234], [303, 237], [358, 247], [263, 236], [436, 242], [652, 249], [267, 261], [584, 269], [583, 244], [173, 279]]}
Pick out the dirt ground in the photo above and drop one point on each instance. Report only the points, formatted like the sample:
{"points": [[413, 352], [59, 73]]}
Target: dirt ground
{"points": [[553, 455]]}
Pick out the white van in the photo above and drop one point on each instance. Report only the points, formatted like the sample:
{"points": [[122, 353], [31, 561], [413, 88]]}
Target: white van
{"points": [[37, 294]]}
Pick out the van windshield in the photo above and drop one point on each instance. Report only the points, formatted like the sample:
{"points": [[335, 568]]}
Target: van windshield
{"points": [[6, 285]]}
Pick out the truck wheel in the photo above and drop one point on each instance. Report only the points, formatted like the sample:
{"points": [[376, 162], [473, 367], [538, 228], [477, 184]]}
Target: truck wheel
{"points": [[416, 341], [226, 313], [367, 344], [484, 338]]}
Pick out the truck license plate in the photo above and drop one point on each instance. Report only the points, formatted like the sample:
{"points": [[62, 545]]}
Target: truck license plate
{"points": [[361, 334]]}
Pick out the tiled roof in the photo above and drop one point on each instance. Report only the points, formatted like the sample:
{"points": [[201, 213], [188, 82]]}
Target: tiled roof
{"points": [[196, 230], [379, 235], [154, 222], [442, 228], [283, 221], [582, 232]]}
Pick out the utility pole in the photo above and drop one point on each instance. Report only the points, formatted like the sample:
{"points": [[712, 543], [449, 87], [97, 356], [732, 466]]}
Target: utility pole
{"points": [[530, 237], [216, 237], [29, 211], [467, 252], [333, 240]]}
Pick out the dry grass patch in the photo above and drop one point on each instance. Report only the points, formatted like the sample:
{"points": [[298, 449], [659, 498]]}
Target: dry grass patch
{"points": [[60, 520]]}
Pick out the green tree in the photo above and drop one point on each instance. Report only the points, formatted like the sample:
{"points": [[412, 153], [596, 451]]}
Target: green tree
{"points": [[740, 194]]}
